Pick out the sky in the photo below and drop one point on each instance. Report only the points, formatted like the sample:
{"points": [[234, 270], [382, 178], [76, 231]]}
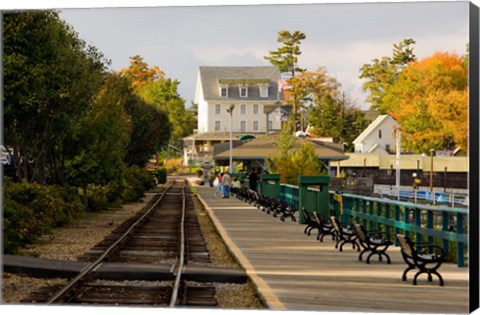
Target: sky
{"points": [[339, 36]]}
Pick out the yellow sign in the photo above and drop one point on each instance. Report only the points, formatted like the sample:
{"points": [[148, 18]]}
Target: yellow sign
{"points": [[339, 199]]}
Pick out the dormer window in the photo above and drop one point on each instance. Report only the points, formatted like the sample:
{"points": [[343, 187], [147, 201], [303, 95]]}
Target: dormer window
{"points": [[263, 90], [224, 91], [243, 91]]}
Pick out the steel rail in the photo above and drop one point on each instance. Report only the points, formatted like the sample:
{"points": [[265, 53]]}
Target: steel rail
{"points": [[87, 269], [181, 260]]}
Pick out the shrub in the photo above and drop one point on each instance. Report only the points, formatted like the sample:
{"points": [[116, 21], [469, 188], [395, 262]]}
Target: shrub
{"points": [[98, 197], [137, 181], [31, 210]]}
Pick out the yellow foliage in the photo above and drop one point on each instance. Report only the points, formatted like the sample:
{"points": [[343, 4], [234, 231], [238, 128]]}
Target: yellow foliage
{"points": [[139, 74], [430, 102]]}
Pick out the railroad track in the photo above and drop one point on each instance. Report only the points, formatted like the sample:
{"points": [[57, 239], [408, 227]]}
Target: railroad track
{"points": [[166, 232]]}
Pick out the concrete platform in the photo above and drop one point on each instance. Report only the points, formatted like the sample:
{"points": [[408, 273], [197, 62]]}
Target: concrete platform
{"points": [[294, 271]]}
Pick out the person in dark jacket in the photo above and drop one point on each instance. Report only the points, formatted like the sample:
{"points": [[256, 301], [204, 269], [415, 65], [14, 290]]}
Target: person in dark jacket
{"points": [[253, 179]]}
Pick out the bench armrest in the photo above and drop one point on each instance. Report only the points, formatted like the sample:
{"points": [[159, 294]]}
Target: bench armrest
{"points": [[438, 248]]}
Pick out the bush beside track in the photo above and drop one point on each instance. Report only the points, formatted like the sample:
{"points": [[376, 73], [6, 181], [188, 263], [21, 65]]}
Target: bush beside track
{"points": [[31, 210]]}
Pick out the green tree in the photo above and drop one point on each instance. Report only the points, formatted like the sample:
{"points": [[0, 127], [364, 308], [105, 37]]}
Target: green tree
{"points": [[50, 78], [383, 73], [286, 56], [163, 94], [331, 114], [336, 117], [99, 143], [151, 85], [295, 157], [151, 130]]}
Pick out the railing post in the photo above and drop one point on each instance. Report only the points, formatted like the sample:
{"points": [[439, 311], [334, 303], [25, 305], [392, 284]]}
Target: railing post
{"points": [[418, 223], [460, 250], [397, 219], [270, 185], [406, 220], [387, 216], [321, 204], [430, 226], [445, 219]]}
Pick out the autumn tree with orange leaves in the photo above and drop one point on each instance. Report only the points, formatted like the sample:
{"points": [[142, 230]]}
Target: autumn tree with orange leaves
{"points": [[154, 88], [140, 74], [429, 100]]}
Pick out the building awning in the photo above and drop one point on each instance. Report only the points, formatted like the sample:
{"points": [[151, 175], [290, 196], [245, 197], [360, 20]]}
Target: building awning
{"points": [[247, 137]]}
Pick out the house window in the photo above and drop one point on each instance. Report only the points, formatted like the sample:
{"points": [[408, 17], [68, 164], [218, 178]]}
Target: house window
{"points": [[270, 125], [217, 109], [243, 125], [263, 91], [223, 91], [379, 134], [243, 109], [255, 125], [243, 91], [255, 109], [217, 125]]}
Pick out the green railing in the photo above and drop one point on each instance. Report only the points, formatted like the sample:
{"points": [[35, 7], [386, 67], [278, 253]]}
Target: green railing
{"points": [[444, 226], [289, 194]]}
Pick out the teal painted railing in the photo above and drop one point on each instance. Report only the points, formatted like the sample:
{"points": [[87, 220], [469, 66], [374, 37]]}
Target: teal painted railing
{"points": [[444, 226], [289, 194]]}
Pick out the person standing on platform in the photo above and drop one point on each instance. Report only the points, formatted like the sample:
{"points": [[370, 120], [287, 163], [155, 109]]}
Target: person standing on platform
{"points": [[226, 183], [219, 189], [211, 179], [253, 179]]}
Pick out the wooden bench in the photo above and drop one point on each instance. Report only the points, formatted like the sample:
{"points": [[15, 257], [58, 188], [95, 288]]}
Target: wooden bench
{"points": [[323, 226], [426, 258], [372, 242], [345, 234], [286, 211], [309, 221]]}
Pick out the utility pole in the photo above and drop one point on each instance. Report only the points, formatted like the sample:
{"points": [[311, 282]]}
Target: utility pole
{"points": [[397, 182], [230, 111]]}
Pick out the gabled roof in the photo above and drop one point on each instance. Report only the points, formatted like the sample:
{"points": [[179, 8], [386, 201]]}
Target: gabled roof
{"points": [[266, 147], [212, 77], [372, 127], [267, 109]]}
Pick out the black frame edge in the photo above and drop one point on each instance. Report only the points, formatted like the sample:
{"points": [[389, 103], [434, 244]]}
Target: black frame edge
{"points": [[474, 157]]}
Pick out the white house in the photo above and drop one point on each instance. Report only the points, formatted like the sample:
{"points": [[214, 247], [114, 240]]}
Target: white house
{"points": [[258, 109], [378, 137], [251, 90]]}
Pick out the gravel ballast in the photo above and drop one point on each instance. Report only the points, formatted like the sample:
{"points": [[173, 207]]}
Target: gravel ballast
{"points": [[70, 242]]}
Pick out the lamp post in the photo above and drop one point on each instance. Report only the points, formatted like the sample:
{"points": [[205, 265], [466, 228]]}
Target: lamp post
{"points": [[230, 111], [431, 173], [398, 153], [415, 186]]}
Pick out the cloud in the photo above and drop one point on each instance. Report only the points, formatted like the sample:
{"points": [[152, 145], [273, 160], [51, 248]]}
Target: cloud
{"points": [[340, 37]]}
